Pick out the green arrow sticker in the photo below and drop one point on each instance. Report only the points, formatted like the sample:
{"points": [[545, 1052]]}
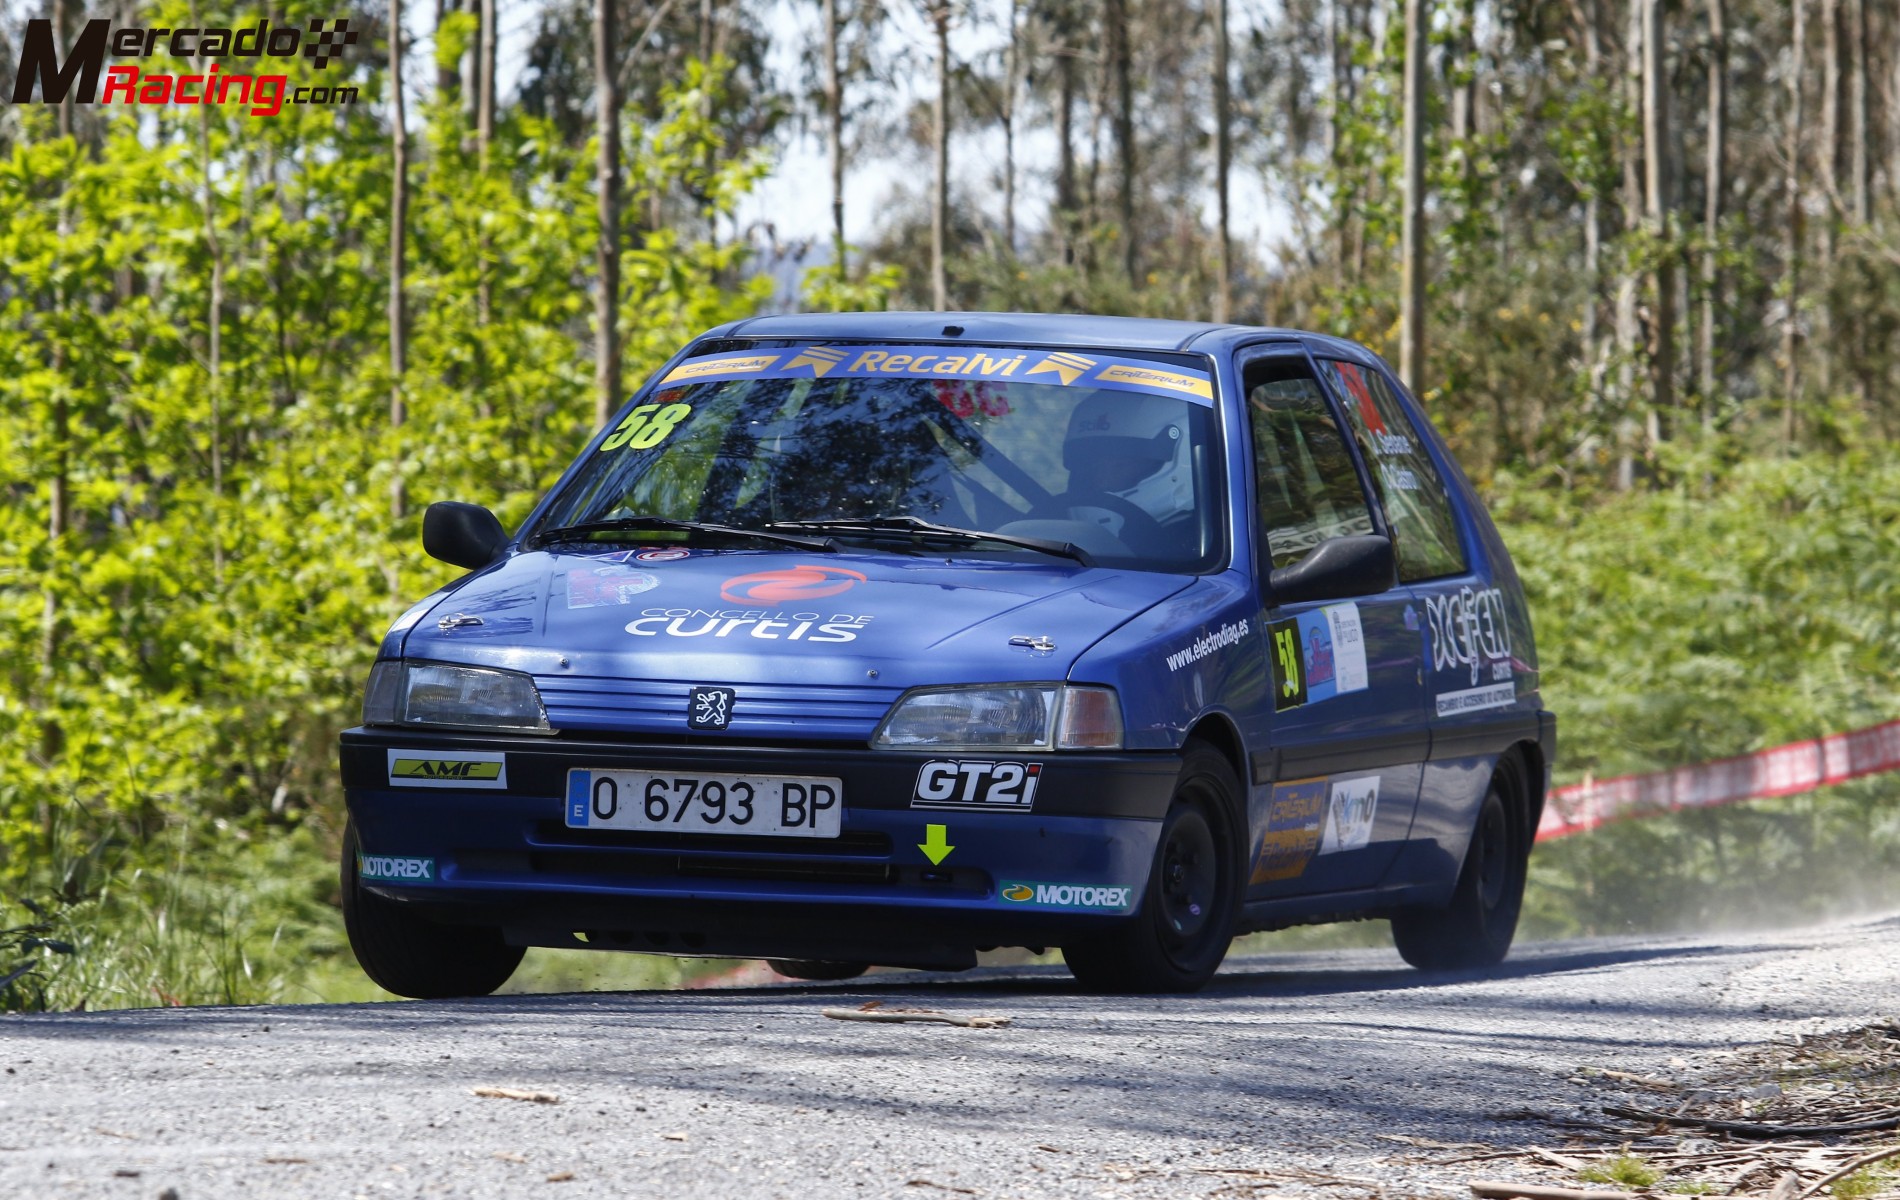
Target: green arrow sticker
{"points": [[936, 846]]}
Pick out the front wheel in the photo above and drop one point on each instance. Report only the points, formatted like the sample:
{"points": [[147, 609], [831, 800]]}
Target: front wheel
{"points": [[1177, 939], [1476, 928], [412, 956]]}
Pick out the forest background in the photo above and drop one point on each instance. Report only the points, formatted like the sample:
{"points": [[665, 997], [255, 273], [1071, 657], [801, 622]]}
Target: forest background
{"points": [[1657, 247]]}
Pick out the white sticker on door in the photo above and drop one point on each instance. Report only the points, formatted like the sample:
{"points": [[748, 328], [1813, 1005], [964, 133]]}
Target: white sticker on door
{"points": [[1349, 813]]}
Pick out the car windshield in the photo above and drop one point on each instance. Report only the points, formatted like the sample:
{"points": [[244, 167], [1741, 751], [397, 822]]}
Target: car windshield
{"points": [[1110, 454]]}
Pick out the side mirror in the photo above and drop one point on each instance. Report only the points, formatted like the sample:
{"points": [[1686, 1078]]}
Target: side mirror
{"points": [[1335, 569], [465, 535]]}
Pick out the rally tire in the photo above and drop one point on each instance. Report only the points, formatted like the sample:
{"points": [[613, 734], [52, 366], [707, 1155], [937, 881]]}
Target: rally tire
{"points": [[815, 970], [1178, 937], [1475, 930], [412, 956]]}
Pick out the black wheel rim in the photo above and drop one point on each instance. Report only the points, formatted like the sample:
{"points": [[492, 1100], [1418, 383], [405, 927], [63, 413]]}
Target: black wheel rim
{"points": [[1494, 855], [1189, 879]]}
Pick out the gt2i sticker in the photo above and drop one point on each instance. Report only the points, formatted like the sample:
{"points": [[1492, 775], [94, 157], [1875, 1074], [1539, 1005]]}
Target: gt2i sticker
{"points": [[447, 769], [594, 587], [1470, 629], [387, 868], [1067, 895], [1231, 634], [978, 785], [993, 363], [646, 426], [1294, 819], [1349, 815]]}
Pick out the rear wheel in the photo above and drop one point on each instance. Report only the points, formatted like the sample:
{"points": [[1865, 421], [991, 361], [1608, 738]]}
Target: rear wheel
{"points": [[1177, 939], [412, 956], [1476, 928], [816, 970]]}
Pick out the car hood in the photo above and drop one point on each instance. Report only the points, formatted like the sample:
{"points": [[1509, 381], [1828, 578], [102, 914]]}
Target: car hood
{"points": [[610, 634]]}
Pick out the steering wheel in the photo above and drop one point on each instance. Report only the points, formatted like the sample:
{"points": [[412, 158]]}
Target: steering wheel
{"points": [[1132, 526]]}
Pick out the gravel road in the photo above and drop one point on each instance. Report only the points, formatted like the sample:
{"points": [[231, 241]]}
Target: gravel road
{"points": [[1308, 1066]]}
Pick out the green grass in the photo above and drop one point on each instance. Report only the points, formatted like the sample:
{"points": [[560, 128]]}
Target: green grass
{"points": [[1625, 1170], [1867, 1181]]}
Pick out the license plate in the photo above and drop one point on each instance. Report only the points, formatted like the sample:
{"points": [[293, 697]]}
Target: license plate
{"points": [[761, 805]]}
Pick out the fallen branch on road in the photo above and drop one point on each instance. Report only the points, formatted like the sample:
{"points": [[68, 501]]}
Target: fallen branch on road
{"points": [[918, 1015], [1745, 1129], [1494, 1190]]}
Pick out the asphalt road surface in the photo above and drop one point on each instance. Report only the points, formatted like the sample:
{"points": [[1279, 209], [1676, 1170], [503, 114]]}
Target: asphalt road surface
{"points": [[1311, 1067]]}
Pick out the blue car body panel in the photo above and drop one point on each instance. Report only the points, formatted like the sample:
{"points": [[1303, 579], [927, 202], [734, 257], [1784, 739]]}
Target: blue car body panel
{"points": [[1361, 790]]}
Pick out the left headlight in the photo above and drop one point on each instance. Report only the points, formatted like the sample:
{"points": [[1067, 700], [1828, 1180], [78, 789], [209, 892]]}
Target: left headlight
{"points": [[1031, 716], [442, 696]]}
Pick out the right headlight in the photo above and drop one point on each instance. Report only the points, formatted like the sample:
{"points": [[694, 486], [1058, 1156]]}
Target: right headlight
{"points": [[1028, 716], [445, 696]]}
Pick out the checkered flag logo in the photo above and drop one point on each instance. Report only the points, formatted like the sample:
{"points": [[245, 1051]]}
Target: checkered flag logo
{"points": [[325, 44]]}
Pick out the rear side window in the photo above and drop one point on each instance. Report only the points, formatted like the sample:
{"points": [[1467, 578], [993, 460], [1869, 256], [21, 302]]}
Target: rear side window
{"points": [[1409, 486], [1308, 490]]}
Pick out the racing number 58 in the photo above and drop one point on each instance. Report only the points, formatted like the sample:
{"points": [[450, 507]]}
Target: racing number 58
{"points": [[647, 426]]}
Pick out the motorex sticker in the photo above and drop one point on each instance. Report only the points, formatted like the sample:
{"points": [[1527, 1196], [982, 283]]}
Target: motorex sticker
{"points": [[1063, 368], [392, 868]]}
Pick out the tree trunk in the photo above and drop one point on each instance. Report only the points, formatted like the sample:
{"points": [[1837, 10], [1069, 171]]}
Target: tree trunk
{"points": [[1065, 150], [484, 140], [1829, 169], [1860, 130], [1592, 214], [448, 76], [1012, 64], [398, 234], [1336, 82], [1658, 200], [1116, 14], [834, 139], [940, 193], [607, 222], [485, 82], [1412, 236], [1223, 167], [1791, 256], [1713, 183], [214, 341]]}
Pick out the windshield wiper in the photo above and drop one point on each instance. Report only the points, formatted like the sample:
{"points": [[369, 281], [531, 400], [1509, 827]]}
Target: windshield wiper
{"points": [[636, 524], [919, 530]]}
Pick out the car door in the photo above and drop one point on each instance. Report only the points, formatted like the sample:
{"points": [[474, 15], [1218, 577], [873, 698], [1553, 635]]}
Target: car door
{"points": [[1470, 668], [1344, 735]]}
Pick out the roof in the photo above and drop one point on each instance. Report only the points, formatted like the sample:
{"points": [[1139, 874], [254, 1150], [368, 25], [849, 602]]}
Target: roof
{"points": [[994, 328], [1131, 333]]}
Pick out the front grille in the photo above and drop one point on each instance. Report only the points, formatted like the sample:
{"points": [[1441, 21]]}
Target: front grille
{"points": [[852, 844], [599, 864]]}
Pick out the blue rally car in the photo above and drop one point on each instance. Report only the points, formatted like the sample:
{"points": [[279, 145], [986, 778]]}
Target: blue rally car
{"points": [[888, 639]]}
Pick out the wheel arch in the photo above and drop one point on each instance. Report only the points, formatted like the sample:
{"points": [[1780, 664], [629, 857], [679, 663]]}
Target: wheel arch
{"points": [[1535, 773], [1217, 730]]}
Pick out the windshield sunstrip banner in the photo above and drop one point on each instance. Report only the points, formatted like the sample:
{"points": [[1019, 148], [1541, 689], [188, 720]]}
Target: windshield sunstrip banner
{"points": [[1064, 368]]}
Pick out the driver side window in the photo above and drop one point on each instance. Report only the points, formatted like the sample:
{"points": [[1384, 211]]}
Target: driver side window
{"points": [[1307, 488]]}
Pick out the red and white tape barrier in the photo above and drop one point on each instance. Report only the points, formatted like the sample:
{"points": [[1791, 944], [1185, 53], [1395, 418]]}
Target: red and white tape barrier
{"points": [[1777, 771]]}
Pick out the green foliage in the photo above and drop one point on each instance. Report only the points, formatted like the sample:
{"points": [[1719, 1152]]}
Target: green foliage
{"points": [[180, 658], [1751, 604], [1868, 1181]]}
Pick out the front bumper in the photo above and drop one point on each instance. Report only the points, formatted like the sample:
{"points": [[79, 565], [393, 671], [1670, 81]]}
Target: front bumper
{"points": [[499, 852]]}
